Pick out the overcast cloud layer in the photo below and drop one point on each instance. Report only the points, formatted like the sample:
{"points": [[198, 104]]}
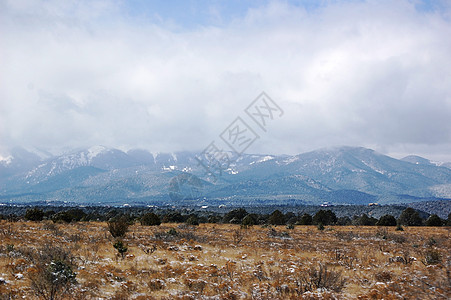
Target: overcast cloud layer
{"points": [[372, 73]]}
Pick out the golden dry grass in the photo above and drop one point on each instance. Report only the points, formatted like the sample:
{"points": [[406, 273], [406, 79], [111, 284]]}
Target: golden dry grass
{"points": [[221, 261]]}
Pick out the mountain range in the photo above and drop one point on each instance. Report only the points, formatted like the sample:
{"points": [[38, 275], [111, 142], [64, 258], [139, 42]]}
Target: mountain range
{"points": [[108, 176]]}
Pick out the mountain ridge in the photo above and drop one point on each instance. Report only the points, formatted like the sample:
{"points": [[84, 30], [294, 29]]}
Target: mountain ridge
{"points": [[339, 175]]}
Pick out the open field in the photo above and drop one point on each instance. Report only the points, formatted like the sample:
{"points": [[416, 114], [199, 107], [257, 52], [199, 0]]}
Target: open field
{"points": [[222, 261]]}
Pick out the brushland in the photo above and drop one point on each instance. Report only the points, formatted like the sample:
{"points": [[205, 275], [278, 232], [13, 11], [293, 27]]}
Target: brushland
{"points": [[83, 260]]}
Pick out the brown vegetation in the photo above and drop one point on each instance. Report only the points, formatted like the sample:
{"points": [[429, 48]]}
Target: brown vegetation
{"points": [[179, 261]]}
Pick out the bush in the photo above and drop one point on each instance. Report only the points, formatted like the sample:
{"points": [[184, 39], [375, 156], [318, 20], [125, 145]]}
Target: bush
{"points": [[327, 217], [71, 215], [150, 219], [382, 233], [344, 221], [364, 220], [173, 217], [173, 232], [410, 217], [383, 276], [236, 215], [77, 214], [277, 218], [192, 220], [306, 219], [173, 235], [291, 218], [63, 216], [432, 257], [248, 220], [120, 247], [9, 247], [320, 278], [238, 236], [214, 219], [386, 220], [398, 238], [431, 242], [52, 277], [434, 220], [34, 214], [118, 227]]}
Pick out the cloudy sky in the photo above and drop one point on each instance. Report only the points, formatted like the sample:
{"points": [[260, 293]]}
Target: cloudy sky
{"points": [[171, 77]]}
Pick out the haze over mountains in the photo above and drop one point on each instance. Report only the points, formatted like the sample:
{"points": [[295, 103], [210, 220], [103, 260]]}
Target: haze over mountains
{"points": [[101, 175]]}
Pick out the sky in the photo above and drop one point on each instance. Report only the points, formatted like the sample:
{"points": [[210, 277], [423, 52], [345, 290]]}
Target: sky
{"points": [[173, 75]]}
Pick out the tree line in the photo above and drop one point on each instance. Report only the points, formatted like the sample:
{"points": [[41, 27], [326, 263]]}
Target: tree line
{"points": [[408, 217]]}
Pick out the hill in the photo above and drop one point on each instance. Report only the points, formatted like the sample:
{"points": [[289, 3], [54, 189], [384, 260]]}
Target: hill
{"points": [[107, 176]]}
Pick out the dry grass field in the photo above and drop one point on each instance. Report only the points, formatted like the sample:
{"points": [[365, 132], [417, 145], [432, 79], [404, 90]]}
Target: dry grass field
{"points": [[221, 261]]}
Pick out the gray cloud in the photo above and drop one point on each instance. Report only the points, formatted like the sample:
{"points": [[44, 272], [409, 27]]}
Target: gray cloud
{"points": [[374, 74]]}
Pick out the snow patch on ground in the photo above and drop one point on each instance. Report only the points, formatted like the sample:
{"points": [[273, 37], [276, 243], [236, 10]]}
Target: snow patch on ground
{"points": [[374, 168], [170, 168], [266, 158], [154, 155], [231, 171], [94, 151], [290, 160]]}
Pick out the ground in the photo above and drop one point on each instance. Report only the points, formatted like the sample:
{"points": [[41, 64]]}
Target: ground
{"points": [[223, 261]]}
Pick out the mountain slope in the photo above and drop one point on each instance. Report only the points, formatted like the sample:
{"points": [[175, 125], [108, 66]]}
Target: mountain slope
{"points": [[358, 169], [342, 175]]}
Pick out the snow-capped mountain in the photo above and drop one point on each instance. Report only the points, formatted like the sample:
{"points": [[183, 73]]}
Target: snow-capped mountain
{"points": [[20, 160], [424, 161], [359, 169], [106, 175]]}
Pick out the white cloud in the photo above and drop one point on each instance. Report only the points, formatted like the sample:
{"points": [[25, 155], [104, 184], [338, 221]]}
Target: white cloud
{"points": [[374, 74]]}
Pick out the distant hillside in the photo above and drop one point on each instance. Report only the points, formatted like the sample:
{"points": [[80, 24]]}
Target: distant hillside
{"points": [[339, 210], [441, 207], [107, 176]]}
